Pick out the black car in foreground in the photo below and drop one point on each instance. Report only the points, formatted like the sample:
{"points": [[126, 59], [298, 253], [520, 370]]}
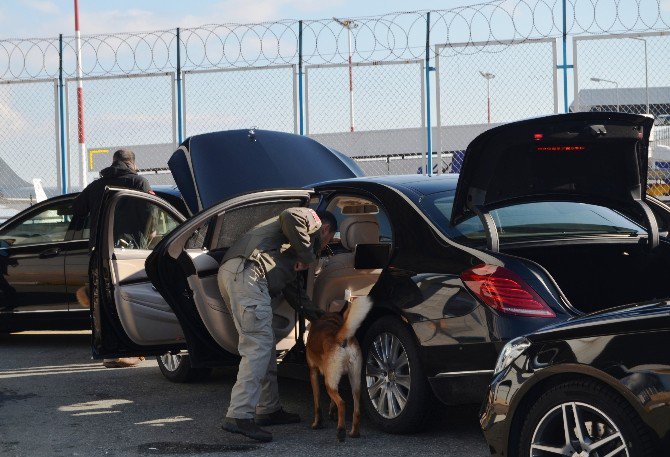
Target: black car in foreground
{"points": [[548, 220], [595, 386]]}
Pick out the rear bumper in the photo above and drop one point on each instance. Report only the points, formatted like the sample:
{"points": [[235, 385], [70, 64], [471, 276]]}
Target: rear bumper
{"points": [[460, 388]]}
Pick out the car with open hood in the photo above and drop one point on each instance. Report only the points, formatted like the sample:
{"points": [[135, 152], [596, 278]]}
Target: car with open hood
{"points": [[549, 219]]}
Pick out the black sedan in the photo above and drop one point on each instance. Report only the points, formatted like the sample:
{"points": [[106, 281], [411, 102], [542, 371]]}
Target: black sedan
{"points": [[548, 220], [44, 260], [593, 386]]}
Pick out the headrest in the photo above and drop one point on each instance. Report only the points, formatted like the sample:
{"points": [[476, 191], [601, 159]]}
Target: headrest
{"points": [[362, 229]]}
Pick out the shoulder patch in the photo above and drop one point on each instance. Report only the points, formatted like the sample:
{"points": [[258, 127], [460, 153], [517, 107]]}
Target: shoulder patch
{"points": [[313, 220]]}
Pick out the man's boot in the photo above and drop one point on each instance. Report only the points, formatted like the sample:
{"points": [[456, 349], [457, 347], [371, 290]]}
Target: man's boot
{"points": [[246, 427]]}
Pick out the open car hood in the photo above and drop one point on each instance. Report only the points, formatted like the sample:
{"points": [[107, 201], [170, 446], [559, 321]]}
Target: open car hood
{"points": [[213, 167], [598, 158]]}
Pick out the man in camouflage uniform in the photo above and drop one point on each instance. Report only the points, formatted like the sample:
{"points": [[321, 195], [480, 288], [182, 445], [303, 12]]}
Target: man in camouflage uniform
{"points": [[260, 265]]}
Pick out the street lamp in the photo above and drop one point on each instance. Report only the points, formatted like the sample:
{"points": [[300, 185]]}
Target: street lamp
{"points": [[488, 77], [616, 85], [646, 69], [349, 24]]}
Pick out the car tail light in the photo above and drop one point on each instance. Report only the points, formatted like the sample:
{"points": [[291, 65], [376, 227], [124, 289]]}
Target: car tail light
{"points": [[504, 291]]}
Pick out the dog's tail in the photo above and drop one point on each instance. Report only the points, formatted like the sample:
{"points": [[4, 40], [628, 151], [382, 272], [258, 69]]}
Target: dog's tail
{"points": [[353, 318], [82, 296]]}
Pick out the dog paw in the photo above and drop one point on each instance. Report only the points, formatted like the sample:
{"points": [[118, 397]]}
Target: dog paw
{"points": [[317, 425], [355, 434], [341, 434]]}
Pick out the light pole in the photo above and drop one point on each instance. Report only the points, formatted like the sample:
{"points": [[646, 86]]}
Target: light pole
{"points": [[349, 24], [488, 76], [616, 85], [646, 69]]}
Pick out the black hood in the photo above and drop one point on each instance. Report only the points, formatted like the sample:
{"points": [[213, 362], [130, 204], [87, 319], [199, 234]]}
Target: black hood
{"points": [[213, 167], [117, 169]]}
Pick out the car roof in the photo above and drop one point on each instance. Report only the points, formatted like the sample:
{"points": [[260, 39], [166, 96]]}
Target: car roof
{"points": [[419, 184]]}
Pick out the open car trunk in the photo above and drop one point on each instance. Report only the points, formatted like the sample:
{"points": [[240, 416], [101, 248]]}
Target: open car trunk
{"points": [[600, 276]]}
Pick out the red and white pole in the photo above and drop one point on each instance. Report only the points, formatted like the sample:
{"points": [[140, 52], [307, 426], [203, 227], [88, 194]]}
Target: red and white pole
{"points": [[80, 98], [351, 79]]}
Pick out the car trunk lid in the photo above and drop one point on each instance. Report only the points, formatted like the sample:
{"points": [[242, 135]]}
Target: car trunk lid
{"points": [[598, 158]]}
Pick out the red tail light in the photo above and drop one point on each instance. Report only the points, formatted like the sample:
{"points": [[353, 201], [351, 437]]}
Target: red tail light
{"points": [[505, 291]]}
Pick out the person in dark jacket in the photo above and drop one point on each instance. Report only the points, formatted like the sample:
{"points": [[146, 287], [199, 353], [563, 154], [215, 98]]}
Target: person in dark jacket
{"points": [[122, 173]]}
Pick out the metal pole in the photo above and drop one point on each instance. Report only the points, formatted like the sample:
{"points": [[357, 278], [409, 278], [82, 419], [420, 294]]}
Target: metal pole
{"points": [[180, 112], [80, 97], [61, 111], [429, 133], [351, 82], [488, 99], [616, 85], [646, 75], [349, 24], [300, 102], [565, 57]]}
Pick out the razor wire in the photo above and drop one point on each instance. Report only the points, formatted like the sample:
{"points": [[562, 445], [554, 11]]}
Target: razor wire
{"points": [[246, 75]]}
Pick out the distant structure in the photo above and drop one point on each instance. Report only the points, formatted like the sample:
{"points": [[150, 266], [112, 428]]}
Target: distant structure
{"points": [[628, 100]]}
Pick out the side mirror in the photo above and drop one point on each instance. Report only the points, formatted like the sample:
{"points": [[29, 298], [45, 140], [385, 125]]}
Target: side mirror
{"points": [[371, 256]]}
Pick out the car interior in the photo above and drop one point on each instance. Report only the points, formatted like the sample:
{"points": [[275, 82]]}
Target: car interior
{"points": [[352, 263]]}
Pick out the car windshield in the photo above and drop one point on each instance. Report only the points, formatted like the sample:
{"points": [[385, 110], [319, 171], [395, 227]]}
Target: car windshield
{"points": [[532, 220]]}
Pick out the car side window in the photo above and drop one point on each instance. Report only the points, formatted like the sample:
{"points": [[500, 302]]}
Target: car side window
{"points": [[49, 224], [140, 223]]}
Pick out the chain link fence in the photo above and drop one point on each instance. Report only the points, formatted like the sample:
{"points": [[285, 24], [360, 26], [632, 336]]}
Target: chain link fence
{"points": [[376, 116], [480, 85], [125, 111], [634, 79], [238, 98], [382, 89]]}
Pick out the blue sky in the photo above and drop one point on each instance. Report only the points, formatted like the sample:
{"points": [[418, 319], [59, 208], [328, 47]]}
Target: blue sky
{"points": [[38, 18]]}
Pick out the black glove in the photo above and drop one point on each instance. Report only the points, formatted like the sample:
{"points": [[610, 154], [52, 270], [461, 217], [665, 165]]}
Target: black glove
{"points": [[313, 314]]}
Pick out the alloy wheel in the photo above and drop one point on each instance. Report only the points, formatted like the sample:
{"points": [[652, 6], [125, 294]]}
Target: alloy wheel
{"points": [[576, 429], [171, 361], [387, 375]]}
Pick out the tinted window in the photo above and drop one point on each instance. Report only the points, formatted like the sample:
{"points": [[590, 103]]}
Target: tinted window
{"points": [[48, 225], [542, 219], [140, 224], [238, 221]]}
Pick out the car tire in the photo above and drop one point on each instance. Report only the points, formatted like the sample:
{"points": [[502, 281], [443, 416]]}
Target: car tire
{"points": [[177, 368], [595, 403], [391, 416]]}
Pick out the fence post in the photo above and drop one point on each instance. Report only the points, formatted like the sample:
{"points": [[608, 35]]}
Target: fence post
{"points": [[429, 136], [565, 57], [300, 89], [180, 113], [61, 117]]}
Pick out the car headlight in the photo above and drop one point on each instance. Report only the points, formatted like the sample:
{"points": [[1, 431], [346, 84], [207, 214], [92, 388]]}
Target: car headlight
{"points": [[510, 352]]}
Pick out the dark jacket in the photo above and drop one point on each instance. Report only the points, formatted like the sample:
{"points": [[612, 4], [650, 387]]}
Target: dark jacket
{"points": [[118, 175]]}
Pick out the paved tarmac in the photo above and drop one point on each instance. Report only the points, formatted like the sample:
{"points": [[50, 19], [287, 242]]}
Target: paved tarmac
{"points": [[56, 401]]}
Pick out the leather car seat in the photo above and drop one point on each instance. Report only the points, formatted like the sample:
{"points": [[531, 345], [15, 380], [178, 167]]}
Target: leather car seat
{"points": [[338, 273]]}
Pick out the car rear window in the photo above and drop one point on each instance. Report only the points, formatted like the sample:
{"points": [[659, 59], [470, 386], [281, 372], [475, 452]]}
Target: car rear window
{"points": [[532, 220]]}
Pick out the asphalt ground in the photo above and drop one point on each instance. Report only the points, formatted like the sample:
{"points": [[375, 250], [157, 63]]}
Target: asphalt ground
{"points": [[56, 401]]}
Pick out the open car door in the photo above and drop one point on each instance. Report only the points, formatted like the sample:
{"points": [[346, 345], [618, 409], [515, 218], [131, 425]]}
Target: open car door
{"points": [[130, 318], [184, 267]]}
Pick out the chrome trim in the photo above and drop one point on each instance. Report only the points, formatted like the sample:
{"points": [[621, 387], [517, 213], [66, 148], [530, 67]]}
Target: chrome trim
{"points": [[455, 374]]}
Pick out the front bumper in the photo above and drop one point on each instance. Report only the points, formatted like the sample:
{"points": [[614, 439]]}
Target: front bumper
{"points": [[495, 416]]}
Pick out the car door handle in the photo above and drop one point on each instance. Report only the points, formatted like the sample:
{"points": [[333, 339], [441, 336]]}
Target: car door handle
{"points": [[53, 252]]}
